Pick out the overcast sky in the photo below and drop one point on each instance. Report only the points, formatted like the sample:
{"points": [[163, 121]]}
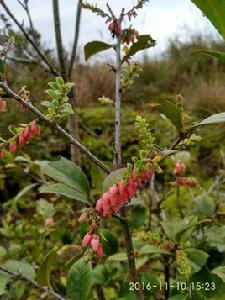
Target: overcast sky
{"points": [[163, 19]]}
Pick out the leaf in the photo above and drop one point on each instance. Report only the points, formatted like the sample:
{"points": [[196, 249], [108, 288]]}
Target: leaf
{"points": [[143, 42], [172, 112], [149, 249], [44, 271], [109, 242], [151, 282], [137, 216], [67, 172], [4, 280], [213, 53], [214, 11], [79, 280], [197, 259], [213, 119], [118, 257], [95, 47], [113, 178], [220, 272], [98, 177], [215, 236], [45, 208], [20, 267], [64, 190]]}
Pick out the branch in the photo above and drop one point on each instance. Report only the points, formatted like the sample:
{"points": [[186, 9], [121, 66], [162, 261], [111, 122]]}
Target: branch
{"points": [[58, 39], [33, 31], [43, 289], [22, 60], [55, 126], [76, 37], [27, 37]]}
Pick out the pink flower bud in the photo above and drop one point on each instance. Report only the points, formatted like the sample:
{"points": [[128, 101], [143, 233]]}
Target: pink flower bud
{"points": [[99, 207], [21, 141], [100, 251], [95, 243], [179, 168], [49, 222], [86, 240], [26, 135], [3, 105], [123, 194], [2, 154], [34, 129], [12, 148]]}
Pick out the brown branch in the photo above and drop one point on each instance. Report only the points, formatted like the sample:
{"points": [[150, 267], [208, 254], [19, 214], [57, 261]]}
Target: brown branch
{"points": [[58, 39], [34, 283], [27, 37], [54, 125], [76, 37]]}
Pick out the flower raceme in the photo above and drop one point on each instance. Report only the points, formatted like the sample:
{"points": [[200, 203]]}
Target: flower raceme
{"points": [[29, 132], [119, 194], [93, 240]]}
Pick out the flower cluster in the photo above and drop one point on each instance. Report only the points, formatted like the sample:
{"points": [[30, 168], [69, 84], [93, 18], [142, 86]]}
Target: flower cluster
{"points": [[3, 105], [93, 240], [115, 28], [183, 265], [22, 137], [119, 194], [129, 35], [178, 171]]}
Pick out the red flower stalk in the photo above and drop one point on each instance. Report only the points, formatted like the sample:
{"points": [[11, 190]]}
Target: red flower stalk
{"points": [[190, 182], [119, 194]]}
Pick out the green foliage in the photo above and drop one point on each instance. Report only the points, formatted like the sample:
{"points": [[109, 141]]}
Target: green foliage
{"points": [[79, 280], [145, 135], [214, 12], [73, 182], [217, 54], [172, 112], [129, 74], [95, 47], [58, 105], [143, 42]]}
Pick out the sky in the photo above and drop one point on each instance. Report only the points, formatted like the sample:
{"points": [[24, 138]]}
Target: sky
{"points": [[163, 19]]}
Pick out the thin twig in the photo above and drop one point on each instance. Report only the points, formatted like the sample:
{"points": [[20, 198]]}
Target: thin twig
{"points": [[27, 37], [34, 283], [58, 39], [54, 125], [76, 38]]}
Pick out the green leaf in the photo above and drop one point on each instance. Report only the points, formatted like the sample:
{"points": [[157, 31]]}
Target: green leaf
{"points": [[137, 216], [67, 172], [172, 112], [98, 177], [118, 257], [79, 280], [64, 190], [109, 242], [149, 249], [197, 259], [95, 47], [45, 208], [143, 42], [113, 178], [213, 53], [213, 119], [220, 272], [20, 267], [215, 236], [44, 271], [3, 251], [214, 11], [4, 280]]}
